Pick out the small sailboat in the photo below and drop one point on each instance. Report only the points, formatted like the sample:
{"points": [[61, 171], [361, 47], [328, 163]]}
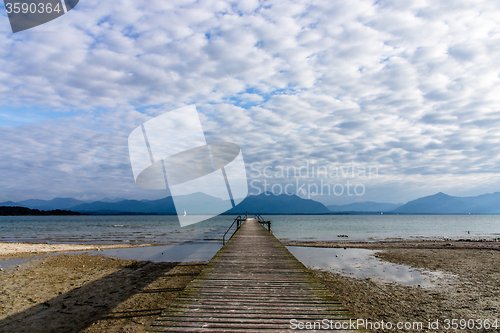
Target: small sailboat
{"points": [[184, 212]]}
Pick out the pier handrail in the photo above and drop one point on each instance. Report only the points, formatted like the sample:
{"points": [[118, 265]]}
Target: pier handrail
{"points": [[237, 221], [261, 220]]}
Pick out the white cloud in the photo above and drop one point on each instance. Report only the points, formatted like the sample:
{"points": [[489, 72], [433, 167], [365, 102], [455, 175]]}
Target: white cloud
{"points": [[411, 87]]}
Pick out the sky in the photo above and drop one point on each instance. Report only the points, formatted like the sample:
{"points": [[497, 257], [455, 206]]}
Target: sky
{"points": [[408, 90]]}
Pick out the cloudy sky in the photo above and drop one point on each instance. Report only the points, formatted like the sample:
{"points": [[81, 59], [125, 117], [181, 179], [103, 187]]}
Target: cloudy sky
{"points": [[410, 88]]}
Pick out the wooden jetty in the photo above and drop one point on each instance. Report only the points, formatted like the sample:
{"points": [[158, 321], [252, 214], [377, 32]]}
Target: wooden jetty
{"points": [[254, 284]]}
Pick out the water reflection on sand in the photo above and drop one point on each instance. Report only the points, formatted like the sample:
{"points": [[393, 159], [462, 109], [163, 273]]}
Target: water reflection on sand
{"points": [[185, 252], [362, 263], [358, 263]]}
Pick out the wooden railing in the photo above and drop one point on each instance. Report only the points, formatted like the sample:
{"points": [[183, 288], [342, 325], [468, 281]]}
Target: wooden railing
{"points": [[263, 222], [238, 222]]}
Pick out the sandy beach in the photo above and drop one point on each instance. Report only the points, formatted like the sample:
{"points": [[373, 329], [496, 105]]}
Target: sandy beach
{"points": [[93, 293], [24, 250], [89, 293], [473, 294]]}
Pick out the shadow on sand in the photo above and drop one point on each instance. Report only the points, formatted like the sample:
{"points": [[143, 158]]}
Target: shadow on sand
{"points": [[79, 308]]}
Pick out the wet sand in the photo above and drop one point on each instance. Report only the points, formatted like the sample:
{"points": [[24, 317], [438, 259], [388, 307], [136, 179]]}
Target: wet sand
{"points": [[473, 294], [93, 293], [26, 250]]}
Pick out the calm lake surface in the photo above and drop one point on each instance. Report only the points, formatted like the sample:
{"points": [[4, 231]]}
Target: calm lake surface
{"points": [[201, 241], [166, 229]]}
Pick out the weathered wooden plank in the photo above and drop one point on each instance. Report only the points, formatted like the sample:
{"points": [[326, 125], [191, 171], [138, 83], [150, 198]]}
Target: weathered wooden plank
{"points": [[238, 315], [229, 306], [297, 313], [253, 284], [234, 325], [252, 300], [249, 320], [179, 329]]}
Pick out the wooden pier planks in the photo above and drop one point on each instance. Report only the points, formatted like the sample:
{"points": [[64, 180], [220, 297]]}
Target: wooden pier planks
{"points": [[253, 284]]}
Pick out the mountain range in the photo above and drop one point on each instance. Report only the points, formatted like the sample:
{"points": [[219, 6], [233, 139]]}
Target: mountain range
{"points": [[57, 203], [264, 203], [441, 203], [267, 203]]}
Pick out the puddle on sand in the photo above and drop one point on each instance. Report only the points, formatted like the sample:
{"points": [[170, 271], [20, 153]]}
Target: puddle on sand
{"points": [[166, 253], [12, 263], [361, 263], [358, 263]]}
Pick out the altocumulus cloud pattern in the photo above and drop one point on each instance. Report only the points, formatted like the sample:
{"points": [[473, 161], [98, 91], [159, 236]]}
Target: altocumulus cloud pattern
{"points": [[170, 152]]}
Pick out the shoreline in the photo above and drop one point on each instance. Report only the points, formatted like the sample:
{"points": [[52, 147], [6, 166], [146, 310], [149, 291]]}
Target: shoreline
{"points": [[105, 294], [26, 250], [15, 248], [403, 244]]}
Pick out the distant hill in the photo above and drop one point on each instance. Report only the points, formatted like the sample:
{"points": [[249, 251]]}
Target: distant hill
{"points": [[268, 203], [163, 206], [441, 203], [56, 203], [367, 206], [23, 211], [111, 200], [205, 204]]}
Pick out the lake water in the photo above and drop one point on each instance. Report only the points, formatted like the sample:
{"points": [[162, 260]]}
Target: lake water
{"points": [[201, 241], [166, 229]]}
